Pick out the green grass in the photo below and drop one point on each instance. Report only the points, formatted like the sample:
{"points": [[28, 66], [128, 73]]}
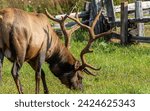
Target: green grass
{"points": [[123, 70]]}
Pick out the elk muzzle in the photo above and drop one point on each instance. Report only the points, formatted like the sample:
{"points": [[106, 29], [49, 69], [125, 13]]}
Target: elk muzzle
{"points": [[72, 80]]}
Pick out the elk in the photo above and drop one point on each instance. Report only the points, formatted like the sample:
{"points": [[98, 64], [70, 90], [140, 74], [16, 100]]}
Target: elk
{"points": [[28, 37]]}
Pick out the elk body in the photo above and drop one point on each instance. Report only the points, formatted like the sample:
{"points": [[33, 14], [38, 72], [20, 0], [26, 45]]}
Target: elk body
{"points": [[29, 37]]}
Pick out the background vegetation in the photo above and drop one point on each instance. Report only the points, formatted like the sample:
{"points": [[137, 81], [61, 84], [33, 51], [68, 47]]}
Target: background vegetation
{"points": [[54, 6]]}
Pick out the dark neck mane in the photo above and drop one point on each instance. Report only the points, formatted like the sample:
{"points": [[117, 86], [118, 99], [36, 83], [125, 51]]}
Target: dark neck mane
{"points": [[61, 60]]}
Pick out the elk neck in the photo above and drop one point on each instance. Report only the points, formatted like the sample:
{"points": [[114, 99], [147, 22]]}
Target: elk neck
{"points": [[60, 59]]}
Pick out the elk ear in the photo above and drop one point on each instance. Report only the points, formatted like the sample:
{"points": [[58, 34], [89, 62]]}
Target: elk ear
{"points": [[77, 65]]}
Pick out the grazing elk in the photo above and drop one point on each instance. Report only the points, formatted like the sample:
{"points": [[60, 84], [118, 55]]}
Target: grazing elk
{"points": [[29, 37]]}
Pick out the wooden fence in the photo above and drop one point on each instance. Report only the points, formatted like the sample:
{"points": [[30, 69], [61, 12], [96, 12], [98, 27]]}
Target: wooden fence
{"points": [[135, 34], [108, 20], [131, 7]]}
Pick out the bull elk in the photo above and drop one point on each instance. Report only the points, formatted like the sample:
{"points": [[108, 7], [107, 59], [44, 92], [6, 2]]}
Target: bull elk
{"points": [[29, 37]]}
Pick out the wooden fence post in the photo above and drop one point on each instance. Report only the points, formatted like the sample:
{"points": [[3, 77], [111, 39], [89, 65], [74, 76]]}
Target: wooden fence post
{"points": [[109, 4], [124, 23], [87, 6], [139, 15], [102, 25], [87, 9], [95, 7], [110, 11]]}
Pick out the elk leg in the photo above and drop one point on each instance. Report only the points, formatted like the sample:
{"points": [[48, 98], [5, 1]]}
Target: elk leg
{"points": [[37, 79], [39, 61], [44, 82], [36, 65], [33, 65], [15, 69], [1, 64]]}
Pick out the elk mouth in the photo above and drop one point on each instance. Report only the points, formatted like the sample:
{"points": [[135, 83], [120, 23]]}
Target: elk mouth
{"points": [[72, 85], [76, 87]]}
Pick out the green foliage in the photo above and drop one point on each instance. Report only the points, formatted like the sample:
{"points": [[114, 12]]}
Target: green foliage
{"points": [[29, 8], [80, 35], [53, 6], [117, 2]]}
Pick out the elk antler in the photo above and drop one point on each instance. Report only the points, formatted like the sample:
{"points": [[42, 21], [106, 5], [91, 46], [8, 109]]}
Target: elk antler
{"points": [[92, 38], [67, 33]]}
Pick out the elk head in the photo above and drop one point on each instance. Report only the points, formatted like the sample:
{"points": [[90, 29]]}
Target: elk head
{"points": [[73, 79]]}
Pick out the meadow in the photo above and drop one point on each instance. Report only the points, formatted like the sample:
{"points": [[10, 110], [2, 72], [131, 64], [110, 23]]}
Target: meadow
{"points": [[124, 70]]}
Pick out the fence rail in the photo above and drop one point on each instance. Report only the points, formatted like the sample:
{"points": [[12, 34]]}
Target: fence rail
{"points": [[80, 14], [140, 39], [124, 21], [131, 7], [117, 9]]}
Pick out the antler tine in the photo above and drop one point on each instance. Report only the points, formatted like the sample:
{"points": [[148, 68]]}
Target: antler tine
{"points": [[66, 16], [51, 17], [96, 19], [88, 72], [87, 50], [74, 28], [78, 22], [55, 19], [103, 34], [67, 33], [84, 63]]}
